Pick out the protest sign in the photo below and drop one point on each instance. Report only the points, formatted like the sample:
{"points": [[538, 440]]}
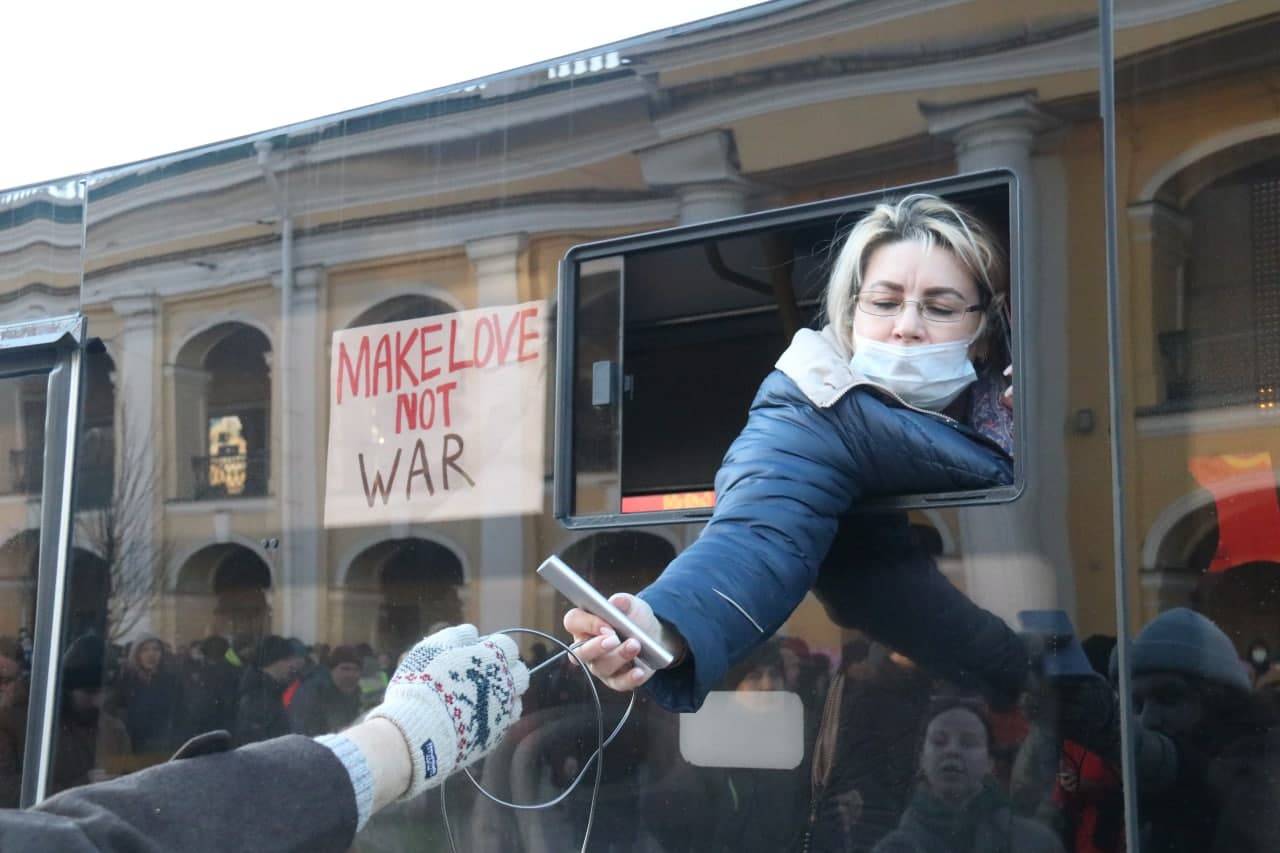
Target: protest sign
{"points": [[438, 418]]}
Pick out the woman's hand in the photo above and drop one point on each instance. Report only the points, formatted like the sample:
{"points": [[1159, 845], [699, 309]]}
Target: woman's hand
{"points": [[1007, 397], [614, 662]]}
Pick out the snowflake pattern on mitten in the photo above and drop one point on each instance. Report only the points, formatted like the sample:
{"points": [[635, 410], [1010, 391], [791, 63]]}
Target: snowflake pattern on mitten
{"points": [[464, 692]]}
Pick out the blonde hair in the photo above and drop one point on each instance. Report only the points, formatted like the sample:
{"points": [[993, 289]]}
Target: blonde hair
{"points": [[934, 222]]}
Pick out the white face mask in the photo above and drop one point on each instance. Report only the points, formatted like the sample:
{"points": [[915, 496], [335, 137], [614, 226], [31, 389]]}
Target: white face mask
{"points": [[929, 376]]}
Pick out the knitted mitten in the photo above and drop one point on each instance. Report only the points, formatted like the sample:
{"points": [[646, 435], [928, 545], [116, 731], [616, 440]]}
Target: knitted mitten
{"points": [[453, 697]]}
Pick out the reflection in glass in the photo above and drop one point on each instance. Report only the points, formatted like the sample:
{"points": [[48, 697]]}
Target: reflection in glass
{"points": [[1200, 271], [22, 405], [217, 278]]}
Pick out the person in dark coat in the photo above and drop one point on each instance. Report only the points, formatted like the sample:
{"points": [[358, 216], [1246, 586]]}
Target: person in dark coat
{"points": [[260, 712], [211, 688], [867, 754], [295, 793], [149, 699], [902, 393], [90, 741], [13, 720], [329, 698]]}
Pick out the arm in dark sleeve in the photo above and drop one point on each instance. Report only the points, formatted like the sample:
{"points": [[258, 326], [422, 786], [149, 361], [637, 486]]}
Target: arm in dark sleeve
{"points": [[787, 479], [287, 794], [879, 579]]}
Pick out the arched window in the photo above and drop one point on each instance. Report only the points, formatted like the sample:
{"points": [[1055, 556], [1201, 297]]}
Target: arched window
{"points": [[224, 588], [222, 396], [407, 307], [417, 585], [1222, 346]]}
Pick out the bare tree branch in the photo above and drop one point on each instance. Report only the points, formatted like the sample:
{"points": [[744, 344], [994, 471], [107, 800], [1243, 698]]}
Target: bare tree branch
{"points": [[120, 525]]}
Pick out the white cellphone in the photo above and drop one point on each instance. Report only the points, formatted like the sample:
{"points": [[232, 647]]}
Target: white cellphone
{"points": [[584, 595]]}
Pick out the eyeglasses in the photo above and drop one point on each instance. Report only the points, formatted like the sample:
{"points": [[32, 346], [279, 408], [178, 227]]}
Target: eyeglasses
{"points": [[934, 309]]}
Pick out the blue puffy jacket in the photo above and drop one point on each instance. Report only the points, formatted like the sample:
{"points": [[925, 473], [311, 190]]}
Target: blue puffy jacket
{"points": [[781, 528]]}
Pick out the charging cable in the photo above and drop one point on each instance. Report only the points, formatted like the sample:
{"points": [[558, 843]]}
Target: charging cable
{"points": [[597, 756]]}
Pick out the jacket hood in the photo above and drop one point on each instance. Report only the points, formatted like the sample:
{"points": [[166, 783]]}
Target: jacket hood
{"points": [[136, 648], [818, 363]]}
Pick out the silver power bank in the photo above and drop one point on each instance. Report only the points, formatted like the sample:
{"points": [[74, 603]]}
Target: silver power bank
{"points": [[584, 595]]}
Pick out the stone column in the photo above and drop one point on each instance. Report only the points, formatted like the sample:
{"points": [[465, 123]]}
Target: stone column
{"points": [[302, 553], [1017, 556], [190, 425], [1159, 249], [503, 554], [703, 171], [138, 424]]}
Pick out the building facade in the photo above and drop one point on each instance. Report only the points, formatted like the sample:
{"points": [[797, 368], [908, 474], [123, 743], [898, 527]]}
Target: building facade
{"points": [[215, 280]]}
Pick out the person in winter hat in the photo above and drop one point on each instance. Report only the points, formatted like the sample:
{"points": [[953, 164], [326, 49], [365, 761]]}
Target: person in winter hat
{"points": [[1202, 742], [329, 698], [449, 703], [260, 710], [149, 698]]}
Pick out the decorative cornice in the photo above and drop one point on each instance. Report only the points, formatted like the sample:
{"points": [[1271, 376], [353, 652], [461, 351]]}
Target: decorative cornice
{"points": [[227, 171], [53, 235], [378, 238], [504, 248], [775, 25], [136, 310], [414, 185], [305, 278], [709, 157], [1073, 50], [37, 289], [967, 120]]}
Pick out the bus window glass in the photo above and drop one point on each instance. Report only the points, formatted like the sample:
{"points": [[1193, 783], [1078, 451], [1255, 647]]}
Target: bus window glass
{"points": [[221, 592], [22, 421], [1199, 238], [709, 311]]}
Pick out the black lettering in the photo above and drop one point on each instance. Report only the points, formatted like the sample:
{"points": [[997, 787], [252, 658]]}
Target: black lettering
{"points": [[378, 487], [448, 461], [419, 454]]}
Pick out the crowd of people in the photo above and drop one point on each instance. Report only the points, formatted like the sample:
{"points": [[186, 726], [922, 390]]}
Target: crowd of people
{"points": [[905, 762], [125, 707], [897, 760]]}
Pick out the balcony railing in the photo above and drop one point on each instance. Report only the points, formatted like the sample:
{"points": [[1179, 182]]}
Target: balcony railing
{"points": [[95, 477], [1205, 371], [230, 475]]}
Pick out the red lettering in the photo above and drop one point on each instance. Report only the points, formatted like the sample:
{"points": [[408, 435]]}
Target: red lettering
{"points": [[354, 372], [443, 390], [427, 352], [382, 363], [427, 417], [403, 367], [481, 360], [527, 313], [454, 364], [406, 410], [504, 343]]}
